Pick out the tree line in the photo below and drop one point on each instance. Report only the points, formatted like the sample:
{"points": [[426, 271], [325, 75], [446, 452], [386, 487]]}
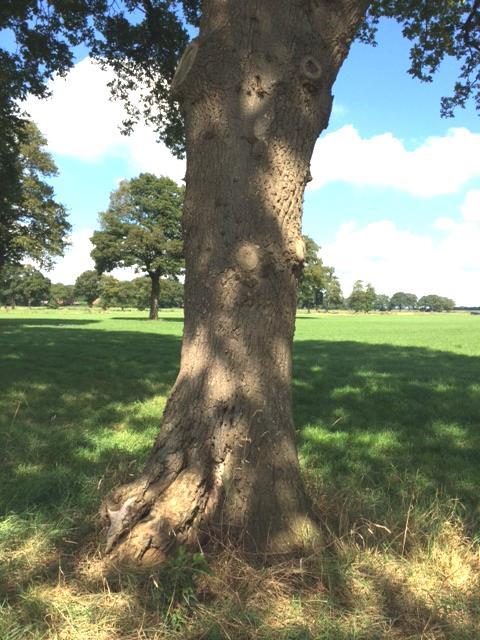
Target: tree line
{"points": [[364, 298], [23, 285], [319, 288]]}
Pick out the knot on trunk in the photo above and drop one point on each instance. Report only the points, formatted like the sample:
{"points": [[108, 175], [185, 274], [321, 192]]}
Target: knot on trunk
{"points": [[310, 68], [247, 257]]}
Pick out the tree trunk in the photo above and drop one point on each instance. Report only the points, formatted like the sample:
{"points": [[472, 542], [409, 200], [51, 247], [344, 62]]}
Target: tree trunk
{"points": [[256, 92], [154, 294]]}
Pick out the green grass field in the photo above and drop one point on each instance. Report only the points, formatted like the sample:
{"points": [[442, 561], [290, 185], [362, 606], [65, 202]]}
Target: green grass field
{"points": [[387, 409]]}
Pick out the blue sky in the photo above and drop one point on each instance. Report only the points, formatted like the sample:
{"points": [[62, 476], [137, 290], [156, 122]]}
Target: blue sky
{"points": [[395, 198]]}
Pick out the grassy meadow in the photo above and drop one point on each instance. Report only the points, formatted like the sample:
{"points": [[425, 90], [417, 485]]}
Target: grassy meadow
{"points": [[387, 409]]}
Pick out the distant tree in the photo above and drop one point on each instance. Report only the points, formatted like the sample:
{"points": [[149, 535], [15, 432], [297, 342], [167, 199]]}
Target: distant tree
{"points": [[109, 291], [171, 294], [142, 228], [87, 286], [318, 286], [311, 285], [117, 293], [332, 298], [32, 224], [402, 300], [8, 281], [448, 304], [433, 302], [125, 294], [369, 298], [356, 299], [62, 294], [362, 297], [382, 302], [31, 287], [139, 292]]}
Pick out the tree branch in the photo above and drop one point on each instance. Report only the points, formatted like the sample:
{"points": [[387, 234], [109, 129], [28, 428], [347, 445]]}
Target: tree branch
{"points": [[472, 21]]}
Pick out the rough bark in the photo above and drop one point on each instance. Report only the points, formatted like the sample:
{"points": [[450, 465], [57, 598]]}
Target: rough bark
{"points": [[255, 87], [154, 294]]}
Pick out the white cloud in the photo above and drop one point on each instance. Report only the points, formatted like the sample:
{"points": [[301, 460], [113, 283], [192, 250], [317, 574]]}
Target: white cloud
{"points": [[444, 224], [439, 166], [77, 260], [395, 259], [471, 206], [80, 120]]}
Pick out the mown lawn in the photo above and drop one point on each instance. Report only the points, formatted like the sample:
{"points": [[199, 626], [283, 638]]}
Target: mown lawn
{"points": [[388, 415], [382, 398]]}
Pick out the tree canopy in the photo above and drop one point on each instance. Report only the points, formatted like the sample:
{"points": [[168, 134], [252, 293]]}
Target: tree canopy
{"points": [[143, 39], [32, 224]]}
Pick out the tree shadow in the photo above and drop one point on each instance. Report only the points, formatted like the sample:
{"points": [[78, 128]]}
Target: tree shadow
{"points": [[75, 406], [366, 414], [370, 415], [20, 323], [78, 414], [146, 319]]}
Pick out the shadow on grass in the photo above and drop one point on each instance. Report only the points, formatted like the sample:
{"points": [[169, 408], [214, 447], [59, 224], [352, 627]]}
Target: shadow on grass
{"points": [[75, 405], [147, 319], [20, 323], [74, 402], [371, 415], [79, 408]]}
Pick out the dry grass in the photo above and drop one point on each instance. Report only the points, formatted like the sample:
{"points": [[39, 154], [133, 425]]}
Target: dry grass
{"points": [[388, 580]]}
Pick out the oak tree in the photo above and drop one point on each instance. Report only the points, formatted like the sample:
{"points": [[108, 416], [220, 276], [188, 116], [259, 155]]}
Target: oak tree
{"points": [[142, 228], [32, 287], [250, 96]]}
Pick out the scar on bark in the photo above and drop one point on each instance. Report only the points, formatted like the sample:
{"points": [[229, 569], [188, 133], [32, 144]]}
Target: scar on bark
{"points": [[119, 521], [184, 66], [300, 251]]}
